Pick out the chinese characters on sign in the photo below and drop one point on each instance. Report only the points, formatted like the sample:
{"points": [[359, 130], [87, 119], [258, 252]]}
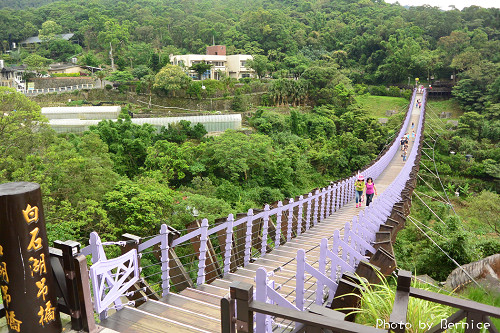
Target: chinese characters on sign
{"points": [[13, 323], [47, 315], [38, 266], [38, 269], [27, 283]]}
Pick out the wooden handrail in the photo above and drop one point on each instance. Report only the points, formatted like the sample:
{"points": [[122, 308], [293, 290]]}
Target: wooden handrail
{"points": [[477, 315], [241, 318], [463, 304]]}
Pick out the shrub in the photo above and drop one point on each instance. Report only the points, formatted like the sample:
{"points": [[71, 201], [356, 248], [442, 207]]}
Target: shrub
{"points": [[65, 75], [406, 93], [377, 300], [394, 91], [377, 90], [239, 103]]}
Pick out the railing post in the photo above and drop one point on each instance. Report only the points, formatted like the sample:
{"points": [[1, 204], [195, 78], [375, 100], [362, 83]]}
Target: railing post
{"points": [[290, 220], [229, 244], [265, 230], [316, 204], [261, 296], [300, 279], [323, 205], [96, 247], [322, 269], [333, 198], [87, 312], [400, 308], [351, 188], [248, 237], [308, 212], [337, 197], [345, 193], [277, 237], [69, 250], [328, 198], [227, 307], [203, 252], [299, 215], [243, 294], [164, 246]]}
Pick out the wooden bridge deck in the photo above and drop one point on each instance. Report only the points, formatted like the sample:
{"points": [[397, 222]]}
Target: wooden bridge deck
{"points": [[197, 310]]}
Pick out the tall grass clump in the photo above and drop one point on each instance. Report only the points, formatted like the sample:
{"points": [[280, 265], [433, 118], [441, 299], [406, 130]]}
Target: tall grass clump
{"points": [[377, 300]]}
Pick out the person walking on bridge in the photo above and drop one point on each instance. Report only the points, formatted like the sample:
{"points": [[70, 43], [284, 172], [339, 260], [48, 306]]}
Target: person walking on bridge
{"points": [[370, 190], [359, 185]]}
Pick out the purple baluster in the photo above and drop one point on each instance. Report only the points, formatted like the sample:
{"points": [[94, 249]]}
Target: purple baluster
{"points": [[203, 252]]}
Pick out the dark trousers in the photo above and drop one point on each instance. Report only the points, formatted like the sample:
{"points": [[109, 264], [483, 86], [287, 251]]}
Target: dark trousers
{"points": [[369, 198]]}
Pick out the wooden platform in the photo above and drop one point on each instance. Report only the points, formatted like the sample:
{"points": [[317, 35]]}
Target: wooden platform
{"points": [[197, 310]]}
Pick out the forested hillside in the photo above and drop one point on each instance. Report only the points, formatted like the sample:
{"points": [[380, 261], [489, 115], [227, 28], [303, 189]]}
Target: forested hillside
{"points": [[373, 41], [20, 4], [324, 66]]}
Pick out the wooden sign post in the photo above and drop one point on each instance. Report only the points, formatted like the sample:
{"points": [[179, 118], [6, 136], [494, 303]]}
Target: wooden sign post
{"points": [[26, 279]]}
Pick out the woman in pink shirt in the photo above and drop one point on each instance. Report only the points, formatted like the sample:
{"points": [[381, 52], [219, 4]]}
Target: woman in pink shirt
{"points": [[370, 190]]}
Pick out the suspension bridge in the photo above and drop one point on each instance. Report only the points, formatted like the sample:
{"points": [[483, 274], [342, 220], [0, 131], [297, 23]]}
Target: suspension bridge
{"points": [[265, 241], [287, 263]]}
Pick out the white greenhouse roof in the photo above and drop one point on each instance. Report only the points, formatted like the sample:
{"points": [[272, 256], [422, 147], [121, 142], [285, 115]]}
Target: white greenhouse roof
{"points": [[80, 109], [164, 121], [212, 123]]}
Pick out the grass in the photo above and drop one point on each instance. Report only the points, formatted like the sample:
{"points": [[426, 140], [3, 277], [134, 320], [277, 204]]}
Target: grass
{"points": [[492, 297], [377, 302], [376, 106], [448, 105]]}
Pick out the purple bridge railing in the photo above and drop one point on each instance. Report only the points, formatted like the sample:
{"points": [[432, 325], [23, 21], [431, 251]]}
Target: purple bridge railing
{"points": [[342, 254], [112, 277]]}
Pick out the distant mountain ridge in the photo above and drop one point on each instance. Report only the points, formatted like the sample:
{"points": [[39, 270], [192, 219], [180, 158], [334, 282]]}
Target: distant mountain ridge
{"points": [[22, 4]]}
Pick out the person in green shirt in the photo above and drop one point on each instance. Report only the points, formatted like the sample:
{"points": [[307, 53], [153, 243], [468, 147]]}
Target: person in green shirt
{"points": [[359, 186]]}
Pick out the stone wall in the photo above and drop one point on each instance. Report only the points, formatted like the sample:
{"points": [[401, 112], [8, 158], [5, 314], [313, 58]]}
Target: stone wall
{"points": [[56, 82], [117, 98]]}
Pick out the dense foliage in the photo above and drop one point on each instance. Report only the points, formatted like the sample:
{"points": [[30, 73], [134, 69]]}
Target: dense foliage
{"points": [[466, 160], [120, 177], [370, 41]]}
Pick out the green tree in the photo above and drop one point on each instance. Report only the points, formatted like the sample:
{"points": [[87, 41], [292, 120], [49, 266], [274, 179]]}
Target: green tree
{"points": [[171, 78], [49, 31], [36, 62], [127, 142], [23, 130], [122, 77], [138, 207], [260, 64], [165, 162], [61, 50], [200, 68], [89, 59], [470, 124]]}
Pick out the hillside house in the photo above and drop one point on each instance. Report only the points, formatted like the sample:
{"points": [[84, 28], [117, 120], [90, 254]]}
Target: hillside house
{"points": [[32, 41], [12, 76], [233, 66]]}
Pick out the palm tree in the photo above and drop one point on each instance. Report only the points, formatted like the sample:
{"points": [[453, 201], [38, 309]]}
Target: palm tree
{"points": [[101, 75]]}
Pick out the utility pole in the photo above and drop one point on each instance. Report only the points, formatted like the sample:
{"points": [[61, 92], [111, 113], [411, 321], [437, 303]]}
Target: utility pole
{"points": [[111, 56]]}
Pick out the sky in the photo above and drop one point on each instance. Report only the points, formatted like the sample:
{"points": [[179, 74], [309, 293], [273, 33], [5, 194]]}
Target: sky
{"points": [[444, 4]]}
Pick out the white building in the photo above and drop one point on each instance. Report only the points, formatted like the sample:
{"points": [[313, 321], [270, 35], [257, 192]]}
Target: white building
{"points": [[233, 66]]}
